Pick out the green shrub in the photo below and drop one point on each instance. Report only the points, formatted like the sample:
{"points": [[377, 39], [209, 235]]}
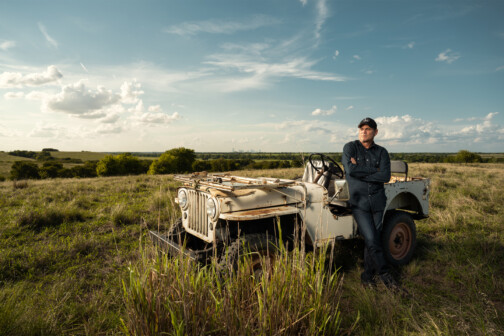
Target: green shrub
{"points": [[24, 153], [117, 165], [176, 160], [464, 156], [201, 165], [467, 157], [88, 169], [44, 156], [51, 170], [24, 170]]}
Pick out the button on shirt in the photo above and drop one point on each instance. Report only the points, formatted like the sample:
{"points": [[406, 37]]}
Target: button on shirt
{"points": [[366, 178]]}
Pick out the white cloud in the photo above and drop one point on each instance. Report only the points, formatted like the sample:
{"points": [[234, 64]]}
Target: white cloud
{"points": [[466, 119], [303, 2], [410, 45], [407, 129], [221, 27], [8, 131], [483, 129], [18, 80], [13, 95], [36, 95], [6, 45], [320, 112], [156, 118], [447, 56], [77, 100], [258, 73], [138, 108], [251, 48], [45, 130], [291, 124], [415, 131], [322, 15], [155, 109], [500, 68], [110, 118], [336, 54], [109, 129], [48, 38], [356, 57], [130, 91], [350, 107], [320, 130]]}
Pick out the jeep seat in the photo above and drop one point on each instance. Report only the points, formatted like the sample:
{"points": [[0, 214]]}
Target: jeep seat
{"points": [[310, 174]]}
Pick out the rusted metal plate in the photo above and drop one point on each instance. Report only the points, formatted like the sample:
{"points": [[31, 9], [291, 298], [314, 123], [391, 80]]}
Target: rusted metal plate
{"points": [[170, 246], [259, 213], [231, 183]]}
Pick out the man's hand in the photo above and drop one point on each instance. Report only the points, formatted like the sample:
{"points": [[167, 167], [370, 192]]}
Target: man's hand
{"points": [[353, 160]]}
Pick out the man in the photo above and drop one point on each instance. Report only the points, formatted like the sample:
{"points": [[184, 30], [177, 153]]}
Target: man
{"points": [[367, 168]]}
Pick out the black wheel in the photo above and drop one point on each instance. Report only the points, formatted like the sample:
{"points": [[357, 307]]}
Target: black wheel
{"points": [[335, 169], [399, 238], [258, 250]]}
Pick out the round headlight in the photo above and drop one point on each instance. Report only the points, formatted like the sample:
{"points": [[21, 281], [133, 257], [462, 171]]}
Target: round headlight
{"points": [[211, 208], [182, 198]]}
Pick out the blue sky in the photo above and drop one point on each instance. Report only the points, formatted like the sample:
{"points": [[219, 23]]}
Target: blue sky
{"points": [[271, 75]]}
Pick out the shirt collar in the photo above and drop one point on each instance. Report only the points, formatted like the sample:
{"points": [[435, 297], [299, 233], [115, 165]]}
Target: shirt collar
{"points": [[372, 145]]}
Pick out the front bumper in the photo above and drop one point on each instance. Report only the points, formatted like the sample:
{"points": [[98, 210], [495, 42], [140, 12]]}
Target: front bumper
{"points": [[173, 248]]}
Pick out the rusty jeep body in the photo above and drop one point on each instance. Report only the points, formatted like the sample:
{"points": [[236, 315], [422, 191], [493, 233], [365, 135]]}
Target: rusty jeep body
{"points": [[221, 212]]}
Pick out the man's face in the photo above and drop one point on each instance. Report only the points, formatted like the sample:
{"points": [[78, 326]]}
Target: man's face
{"points": [[367, 134]]}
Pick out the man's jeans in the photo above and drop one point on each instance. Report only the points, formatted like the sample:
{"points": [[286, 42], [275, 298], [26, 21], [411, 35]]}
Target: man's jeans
{"points": [[370, 225]]}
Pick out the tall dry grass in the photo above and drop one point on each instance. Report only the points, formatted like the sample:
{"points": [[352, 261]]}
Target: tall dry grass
{"points": [[296, 296]]}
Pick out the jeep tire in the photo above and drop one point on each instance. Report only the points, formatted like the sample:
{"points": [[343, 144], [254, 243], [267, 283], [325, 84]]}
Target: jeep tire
{"points": [[258, 249], [399, 238]]}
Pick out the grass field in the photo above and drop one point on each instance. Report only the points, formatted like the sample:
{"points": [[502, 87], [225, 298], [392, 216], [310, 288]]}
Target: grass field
{"points": [[74, 259]]}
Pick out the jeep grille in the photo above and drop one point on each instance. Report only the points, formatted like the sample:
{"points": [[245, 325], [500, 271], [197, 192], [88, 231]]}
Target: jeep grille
{"points": [[198, 219]]}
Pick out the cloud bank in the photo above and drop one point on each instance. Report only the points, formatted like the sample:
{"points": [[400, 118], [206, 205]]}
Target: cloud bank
{"points": [[18, 80]]}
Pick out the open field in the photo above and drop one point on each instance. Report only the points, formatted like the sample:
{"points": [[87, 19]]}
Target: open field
{"points": [[68, 246]]}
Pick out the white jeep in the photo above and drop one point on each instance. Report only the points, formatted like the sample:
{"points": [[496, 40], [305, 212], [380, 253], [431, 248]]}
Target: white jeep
{"points": [[221, 213]]}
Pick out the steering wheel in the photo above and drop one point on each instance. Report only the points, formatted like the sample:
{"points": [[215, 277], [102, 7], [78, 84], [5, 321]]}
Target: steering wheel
{"points": [[333, 169]]}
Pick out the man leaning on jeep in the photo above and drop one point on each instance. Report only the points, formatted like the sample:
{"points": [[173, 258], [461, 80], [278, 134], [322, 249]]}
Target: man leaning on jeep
{"points": [[367, 168]]}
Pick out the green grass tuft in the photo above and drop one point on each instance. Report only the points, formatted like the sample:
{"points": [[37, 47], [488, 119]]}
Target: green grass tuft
{"points": [[50, 217]]}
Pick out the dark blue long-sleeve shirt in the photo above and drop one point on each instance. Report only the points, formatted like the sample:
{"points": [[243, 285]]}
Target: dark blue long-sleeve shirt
{"points": [[366, 178]]}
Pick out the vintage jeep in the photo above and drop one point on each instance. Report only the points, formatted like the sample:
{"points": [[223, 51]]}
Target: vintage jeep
{"points": [[222, 213]]}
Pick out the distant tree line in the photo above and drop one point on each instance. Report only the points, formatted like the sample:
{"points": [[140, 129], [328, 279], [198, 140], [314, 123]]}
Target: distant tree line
{"points": [[21, 170], [184, 160], [44, 155]]}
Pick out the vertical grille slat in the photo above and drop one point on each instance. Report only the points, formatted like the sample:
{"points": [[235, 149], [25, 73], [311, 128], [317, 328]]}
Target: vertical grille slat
{"points": [[198, 219]]}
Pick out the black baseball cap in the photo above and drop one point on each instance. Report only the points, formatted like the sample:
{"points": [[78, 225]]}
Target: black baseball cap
{"points": [[368, 121]]}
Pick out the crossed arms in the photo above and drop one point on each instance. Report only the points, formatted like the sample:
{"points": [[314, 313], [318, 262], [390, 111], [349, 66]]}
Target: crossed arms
{"points": [[379, 174]]}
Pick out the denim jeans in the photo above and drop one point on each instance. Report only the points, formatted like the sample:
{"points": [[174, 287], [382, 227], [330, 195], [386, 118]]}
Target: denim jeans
{"points": [[370, 226]]}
